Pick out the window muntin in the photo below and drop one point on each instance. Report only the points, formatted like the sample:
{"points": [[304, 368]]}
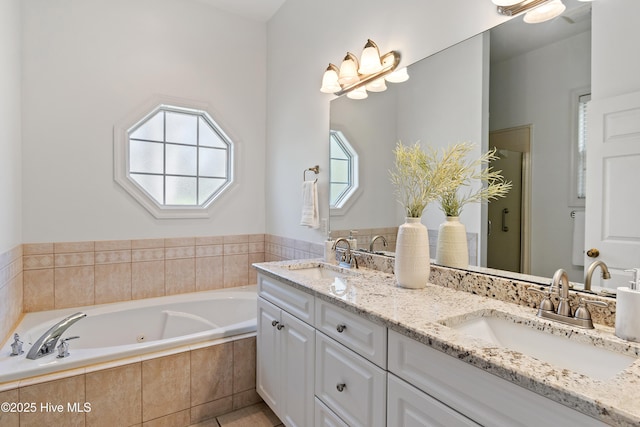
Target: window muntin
{"points": [[179, 157], [583, 103], [343, 180]]}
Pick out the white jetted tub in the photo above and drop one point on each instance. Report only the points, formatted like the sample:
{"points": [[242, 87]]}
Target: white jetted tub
{"points": [[114, 331]]}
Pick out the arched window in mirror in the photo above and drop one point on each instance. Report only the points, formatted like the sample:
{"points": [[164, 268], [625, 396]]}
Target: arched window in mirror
{"points": [[344, 172]]}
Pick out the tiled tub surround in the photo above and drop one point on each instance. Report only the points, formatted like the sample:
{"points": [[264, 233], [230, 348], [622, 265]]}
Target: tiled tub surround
{"points": [[179, 387], [10, 290], [419, 314]]}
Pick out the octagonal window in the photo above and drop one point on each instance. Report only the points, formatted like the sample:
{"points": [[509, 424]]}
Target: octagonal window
{"points": [[178, 159]]}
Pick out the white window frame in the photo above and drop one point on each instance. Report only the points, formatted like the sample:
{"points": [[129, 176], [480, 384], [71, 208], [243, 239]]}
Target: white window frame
{"points": [[122, 163], [348, 197], [576, 165]]}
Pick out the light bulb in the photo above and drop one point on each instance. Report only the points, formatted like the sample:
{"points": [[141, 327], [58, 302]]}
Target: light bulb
{"points": [[330, 80], [348, 71], [544, 12], [370, 59]]}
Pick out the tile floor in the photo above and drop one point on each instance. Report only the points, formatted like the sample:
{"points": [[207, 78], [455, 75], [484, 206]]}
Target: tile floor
{"points": [[258, 415]]}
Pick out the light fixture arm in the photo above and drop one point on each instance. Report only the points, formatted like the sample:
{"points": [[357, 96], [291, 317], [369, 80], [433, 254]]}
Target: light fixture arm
{"points": [[519, 7], [387, 68]]}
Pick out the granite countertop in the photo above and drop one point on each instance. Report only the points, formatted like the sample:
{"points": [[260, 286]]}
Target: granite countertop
{"points": [[422, 314]]}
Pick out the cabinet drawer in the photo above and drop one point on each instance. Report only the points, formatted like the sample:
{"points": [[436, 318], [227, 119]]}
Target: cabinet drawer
{"points": [[325, 416], [288, 298], [481, 396], [349, 384], [359, 334], [408, 406]]}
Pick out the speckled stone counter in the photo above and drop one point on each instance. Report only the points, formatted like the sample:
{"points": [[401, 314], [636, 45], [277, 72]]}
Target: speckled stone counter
{"points": [[424, 313]]}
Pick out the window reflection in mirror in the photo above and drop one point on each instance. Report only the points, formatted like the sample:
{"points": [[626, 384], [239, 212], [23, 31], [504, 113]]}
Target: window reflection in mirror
{"points": [[343, 176]]}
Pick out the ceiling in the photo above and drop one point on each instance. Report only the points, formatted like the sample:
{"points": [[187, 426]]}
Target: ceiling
{"points": [[258, 10]]}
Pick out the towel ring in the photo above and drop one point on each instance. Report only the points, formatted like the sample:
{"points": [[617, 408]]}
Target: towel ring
{"points": [[315, 169]]}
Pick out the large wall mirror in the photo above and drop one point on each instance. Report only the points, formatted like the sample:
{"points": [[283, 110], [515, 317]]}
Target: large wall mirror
{"points": [[514, 81]]}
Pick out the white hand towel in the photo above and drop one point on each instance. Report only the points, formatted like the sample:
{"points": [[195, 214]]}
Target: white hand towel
{"points": [[577, 252], [310, 216]]}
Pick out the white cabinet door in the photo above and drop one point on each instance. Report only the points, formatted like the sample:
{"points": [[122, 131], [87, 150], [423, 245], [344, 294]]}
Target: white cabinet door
{"points": [[349, 384], [325, 417], [297, 376], [268, 343], [409, 407]]}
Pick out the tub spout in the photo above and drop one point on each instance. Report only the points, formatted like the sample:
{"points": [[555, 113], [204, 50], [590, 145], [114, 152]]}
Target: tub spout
{"points": [[46, 344]]}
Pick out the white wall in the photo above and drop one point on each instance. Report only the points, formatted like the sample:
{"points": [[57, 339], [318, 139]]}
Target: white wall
{"points": [[535, 88], [87, 65], [304, 36], [10, 108]]}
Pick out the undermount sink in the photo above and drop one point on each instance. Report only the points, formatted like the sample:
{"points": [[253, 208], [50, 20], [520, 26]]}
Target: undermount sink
{"points": [[498, 329], [322, 271]]}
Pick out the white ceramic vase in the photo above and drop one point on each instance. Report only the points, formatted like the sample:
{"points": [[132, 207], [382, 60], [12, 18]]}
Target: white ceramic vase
{"points": [[412, 264], [452, 250]]}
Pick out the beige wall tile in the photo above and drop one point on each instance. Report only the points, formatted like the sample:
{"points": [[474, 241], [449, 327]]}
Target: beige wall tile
{"points": [[209, 240], [69, 247], [112, 245], [209, 273], [211, 373], [147, 243], [209, 250], [236, 272], [147, 279], [115, 396], [238, 238], [211, 409], [38, 290], [112, 283], [112, 257], [74, 259], [58, 392], [35, 262], [151, 254], [236, 248], [165, 386], [180, 276], [74, 286], [244, 364], [253, 273], [256, 247], [178, 419], [179, 241], [179, 252], [9, 419], [37, 248], [256, 238]]}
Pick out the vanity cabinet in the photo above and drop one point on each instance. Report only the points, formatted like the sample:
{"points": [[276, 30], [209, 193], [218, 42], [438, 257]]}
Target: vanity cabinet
{"points": [[285, 352], [480, 396]]}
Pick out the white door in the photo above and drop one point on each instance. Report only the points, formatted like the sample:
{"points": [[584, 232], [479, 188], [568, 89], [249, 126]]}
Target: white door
{"points": [[613, 185], [297, 361]]}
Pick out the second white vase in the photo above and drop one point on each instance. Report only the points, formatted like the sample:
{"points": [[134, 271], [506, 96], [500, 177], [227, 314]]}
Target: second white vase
{"points": [[412, 263], [452, 249]]}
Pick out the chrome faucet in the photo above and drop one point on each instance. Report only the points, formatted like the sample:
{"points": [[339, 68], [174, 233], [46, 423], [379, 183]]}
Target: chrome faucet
{"points": [[46, 344], [347, 260], [384, 242], [590, 271], [560, 284]]}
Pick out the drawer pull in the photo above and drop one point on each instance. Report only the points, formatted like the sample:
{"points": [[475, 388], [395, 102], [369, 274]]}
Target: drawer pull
{"points": [[274, 323], [280, 326], [341, 387], [341, 328]]}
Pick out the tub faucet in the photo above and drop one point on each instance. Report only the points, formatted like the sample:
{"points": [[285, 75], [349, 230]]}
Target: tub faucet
{"points": [[384, 242], [46, 344], [592, 269]]}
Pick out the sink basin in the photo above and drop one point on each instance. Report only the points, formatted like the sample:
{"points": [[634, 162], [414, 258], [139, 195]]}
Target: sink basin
{"points": [[502, 331], [322, 271]]}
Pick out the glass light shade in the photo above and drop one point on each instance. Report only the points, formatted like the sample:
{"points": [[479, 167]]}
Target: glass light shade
{"points": [[370, 59], [506, 2], [398, 76], [378, 85], [359, 93], [348, 71], [545, 12], [330, 81]]}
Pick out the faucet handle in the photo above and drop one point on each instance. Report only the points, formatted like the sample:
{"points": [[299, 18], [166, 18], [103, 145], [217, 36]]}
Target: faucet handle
{"points": [[582, 312], [63, 347], [545, 304]]}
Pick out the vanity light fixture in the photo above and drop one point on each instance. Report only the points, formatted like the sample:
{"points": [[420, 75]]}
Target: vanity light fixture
{"points": [[536, 10], [355, 77]]}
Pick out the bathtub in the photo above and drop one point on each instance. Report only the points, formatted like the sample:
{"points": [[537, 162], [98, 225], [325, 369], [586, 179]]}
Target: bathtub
{"points": [[132, 328]]}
